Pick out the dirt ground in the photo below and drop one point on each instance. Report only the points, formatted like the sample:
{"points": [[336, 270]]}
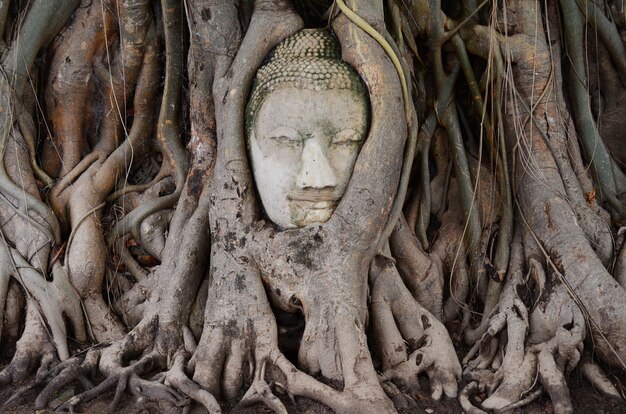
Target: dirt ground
{"points": [[586, 400]]}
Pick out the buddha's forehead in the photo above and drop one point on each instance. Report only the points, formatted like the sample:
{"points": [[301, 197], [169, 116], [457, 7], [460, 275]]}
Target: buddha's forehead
{"points": [[309, 60], [297, 108]]}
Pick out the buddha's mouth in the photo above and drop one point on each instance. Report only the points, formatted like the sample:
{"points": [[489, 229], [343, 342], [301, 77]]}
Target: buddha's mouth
{"points": [[314, 200], [315, 205]]}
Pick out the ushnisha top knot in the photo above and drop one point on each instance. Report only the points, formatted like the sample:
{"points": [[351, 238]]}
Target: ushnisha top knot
{"points": [[308, 59]]}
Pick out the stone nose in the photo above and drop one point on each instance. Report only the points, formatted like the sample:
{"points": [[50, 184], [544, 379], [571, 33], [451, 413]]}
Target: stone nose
{"points": [[316, 171]]}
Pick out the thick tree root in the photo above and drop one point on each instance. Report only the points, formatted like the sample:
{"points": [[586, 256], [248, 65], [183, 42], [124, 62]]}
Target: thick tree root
{"points": [[594, 374], [553, 347], [397, 320], [330, 277], [123, 377], [148, 348], [34, 350], [260, 391], [177, 377]]}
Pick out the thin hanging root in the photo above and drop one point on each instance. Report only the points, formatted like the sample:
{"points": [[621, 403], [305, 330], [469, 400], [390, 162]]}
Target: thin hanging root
{"points": [[27, 128], [418, 216], [169, 124], [608, 32], [498, 153], [425, 196], [164, 171], [464, 398], [447, 114], [588, 133], [260, 391]]}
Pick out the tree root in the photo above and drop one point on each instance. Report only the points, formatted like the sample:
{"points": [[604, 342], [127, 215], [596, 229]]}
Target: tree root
{"points": [[177, 377], [150, 346], [62, 375], [399, 319], [123, 378], [555, 341], [525, 344], [260, 391], [598, 378], [33, 350], [55, 298], [464, 398]]}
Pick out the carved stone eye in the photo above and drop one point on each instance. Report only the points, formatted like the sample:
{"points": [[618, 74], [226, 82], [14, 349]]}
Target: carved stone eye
{"points": [[346, 136], [285, 134]]}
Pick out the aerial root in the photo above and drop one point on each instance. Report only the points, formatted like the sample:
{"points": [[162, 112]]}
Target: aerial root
{"points": [[407, 371], [510, 372], [189, 340], [362, 398], [119, 391]]}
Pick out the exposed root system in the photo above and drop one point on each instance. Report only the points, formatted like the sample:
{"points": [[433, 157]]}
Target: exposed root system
{"points": [[485, 211]]}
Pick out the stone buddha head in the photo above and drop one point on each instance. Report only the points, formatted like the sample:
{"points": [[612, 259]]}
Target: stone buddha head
{"points": [[306, 121]]}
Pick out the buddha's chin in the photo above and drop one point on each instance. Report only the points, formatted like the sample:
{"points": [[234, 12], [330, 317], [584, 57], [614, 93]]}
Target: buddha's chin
{"points": [[302, 216]]}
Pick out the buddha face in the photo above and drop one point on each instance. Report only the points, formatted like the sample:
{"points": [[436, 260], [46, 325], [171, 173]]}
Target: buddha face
{"points": [[303, 145]]}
